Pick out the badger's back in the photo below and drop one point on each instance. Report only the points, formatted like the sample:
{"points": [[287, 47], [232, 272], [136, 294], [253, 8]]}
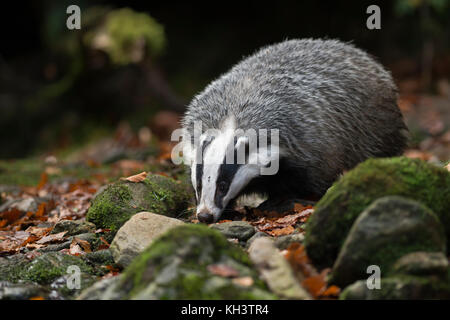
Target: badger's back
{"points": [[333, 104]]}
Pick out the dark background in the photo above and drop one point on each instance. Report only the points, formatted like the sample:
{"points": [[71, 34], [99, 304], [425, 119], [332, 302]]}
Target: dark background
{"points": [[204, 39]]}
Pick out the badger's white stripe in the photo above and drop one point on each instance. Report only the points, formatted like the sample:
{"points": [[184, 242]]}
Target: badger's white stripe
{"points": [[212, 159]]}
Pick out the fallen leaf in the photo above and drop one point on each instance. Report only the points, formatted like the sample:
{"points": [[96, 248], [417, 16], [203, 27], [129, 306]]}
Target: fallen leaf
{"points": [[84, 244], [11, 215], [243, 281], [39, 232], [223, 270], [41, 210], [332, 291], [281, 231], [138, 177], [75, 249], [104, 245], [57, 237], [34, 246], [37, 298], [43, 181]]}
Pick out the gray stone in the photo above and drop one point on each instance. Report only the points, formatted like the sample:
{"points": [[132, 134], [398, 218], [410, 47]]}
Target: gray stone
{"points": [[89, 237], [23, 205], [283, 242], [73, 227], [100, 289], [257, 235], [387, 230], [138, 233], [422, 263], [21, 291], [240, 230], [400, 288], [100, 257], [275, 270], [55, 247]]}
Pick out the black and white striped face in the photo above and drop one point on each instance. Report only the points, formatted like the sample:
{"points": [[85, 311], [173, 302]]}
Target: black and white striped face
{"points": [[223, 166]]}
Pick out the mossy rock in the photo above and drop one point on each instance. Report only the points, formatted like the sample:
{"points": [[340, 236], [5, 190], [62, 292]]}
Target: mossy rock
{"points": [[129, 35], [400, 287], [388, 229], [119, 201], [42, 269], [375, 178], [175, 266], [422, 263]]}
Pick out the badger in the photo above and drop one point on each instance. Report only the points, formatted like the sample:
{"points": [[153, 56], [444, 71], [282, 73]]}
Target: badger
{"points": [[331, 104]]}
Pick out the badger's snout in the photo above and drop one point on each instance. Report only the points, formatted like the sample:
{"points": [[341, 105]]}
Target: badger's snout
{"points": [[205, 216]]}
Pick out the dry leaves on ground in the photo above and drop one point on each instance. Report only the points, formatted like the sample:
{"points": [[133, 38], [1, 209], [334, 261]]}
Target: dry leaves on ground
{"points": [[310, 278], [278, 226]]}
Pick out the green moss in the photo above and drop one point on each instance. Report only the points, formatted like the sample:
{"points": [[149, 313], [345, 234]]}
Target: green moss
{"points": [[370, 180], [109, 208]]}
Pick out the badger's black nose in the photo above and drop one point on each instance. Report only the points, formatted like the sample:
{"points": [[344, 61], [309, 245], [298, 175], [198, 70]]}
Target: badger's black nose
{"points": [[205, 217]]}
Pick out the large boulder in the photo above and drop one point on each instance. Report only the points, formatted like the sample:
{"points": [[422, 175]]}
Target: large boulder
{"points": [[400, 288], [190, 262], [118, 202], [338, 209], [138, 233], [387, 230], [422, 263], [51, 270]]}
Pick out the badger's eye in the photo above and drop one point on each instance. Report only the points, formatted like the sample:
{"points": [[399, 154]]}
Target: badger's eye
{"points": [[222, 186]]}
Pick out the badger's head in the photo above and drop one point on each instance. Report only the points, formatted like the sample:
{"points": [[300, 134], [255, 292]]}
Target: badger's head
{"points": [[223, 163]]}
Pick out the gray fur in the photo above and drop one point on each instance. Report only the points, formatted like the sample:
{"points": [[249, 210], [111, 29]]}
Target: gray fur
{"points": [[334, 105]]}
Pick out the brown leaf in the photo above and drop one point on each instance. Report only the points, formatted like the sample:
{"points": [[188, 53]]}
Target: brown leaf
{"points": [[58, 237], [39, 232], [223, 270], [243, 281], [332, 291], [34, 246], [104, 245], [41, 210], [11, 215], [281, 231], [315, 285], [75, 249], [43, 181], [138, 177], [84, 244]]}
